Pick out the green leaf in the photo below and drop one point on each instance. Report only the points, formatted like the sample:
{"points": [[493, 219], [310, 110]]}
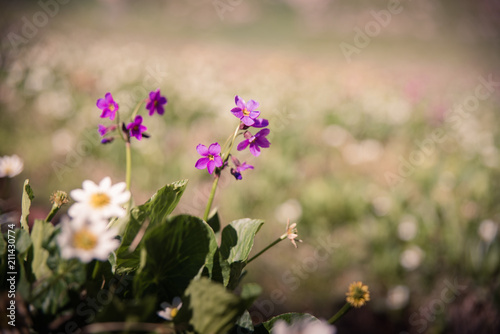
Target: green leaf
{"points": [[177, 250], [3, 245], [53, 293], [238, 238], [40, 235], [161, 204], [243, 324], [23, 241], [289, 318], [213, 308], [143, 218], [236, 244], [26, 204]]}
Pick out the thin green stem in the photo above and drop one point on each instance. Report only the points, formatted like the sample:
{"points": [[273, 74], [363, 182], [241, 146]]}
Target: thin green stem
{"points": [[340, 313], [225, 156], [97, 266], [52, 212], [235, 134], [211, 198], [265, 249], [136, 110], [128, 164]]}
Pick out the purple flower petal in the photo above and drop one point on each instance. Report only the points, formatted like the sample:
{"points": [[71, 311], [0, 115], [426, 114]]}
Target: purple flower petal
{"points": [[260, 123], [239, 102], [254, 114], [262, 142], [101, 103], [247, 121], [243, 145], [263, 132], [102, 130], [202, 150], [255, 150], [214, 149], [252, 105], [202, 163], [218, 161], [211, 166]]}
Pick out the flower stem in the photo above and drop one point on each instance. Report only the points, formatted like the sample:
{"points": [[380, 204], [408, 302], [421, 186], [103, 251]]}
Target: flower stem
{"points": [[211, 198], [52, 212], [136, 110], [226, 156], [128, 164], [265, 249], [340, 313]]}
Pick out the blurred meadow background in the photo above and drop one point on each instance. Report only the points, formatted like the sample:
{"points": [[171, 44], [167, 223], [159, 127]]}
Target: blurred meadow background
{"points": [[383, 119]]}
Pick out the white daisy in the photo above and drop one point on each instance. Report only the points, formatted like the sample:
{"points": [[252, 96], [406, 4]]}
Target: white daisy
{"points": [[86, 240], [10, 166], [99, 201], [303, 327], [169, 311]]}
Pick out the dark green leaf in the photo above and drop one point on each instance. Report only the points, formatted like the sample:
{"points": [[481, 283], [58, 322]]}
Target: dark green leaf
{"points": [[213, 308], [289, 318], [236, 244], [176, 250], [143, 218], [214, 221]]}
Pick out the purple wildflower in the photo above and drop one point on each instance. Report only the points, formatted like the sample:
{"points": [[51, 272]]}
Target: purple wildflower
{"points": [[246, 111], [260, 123], [136, 128], [107, 140], [255, 142], [108, 106], [103, 130], [156, 102], [211, 157], [239, 168]]}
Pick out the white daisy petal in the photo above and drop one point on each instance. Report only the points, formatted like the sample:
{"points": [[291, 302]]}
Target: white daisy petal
{"points": [[86, 240], [78, 195], [118, 188], [105, 183], [90, 186], [100, 202]]}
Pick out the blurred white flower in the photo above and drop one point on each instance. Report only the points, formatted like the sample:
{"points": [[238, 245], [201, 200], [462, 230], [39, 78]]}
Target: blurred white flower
{"points": [[303, 327], [397, 297], [488, 230], [169, 311], [382, 205], [335, 135], [407, 229], [10, 166], [99, 201], [290, 209], [366, 151], [411, 258], [86, 240]]}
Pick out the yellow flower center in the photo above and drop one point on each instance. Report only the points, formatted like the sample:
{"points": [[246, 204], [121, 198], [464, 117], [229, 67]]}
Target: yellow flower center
{"points": [[84, 239], [245, 112], [98, 200], [111, 107], [210, 157], [174, 312]]}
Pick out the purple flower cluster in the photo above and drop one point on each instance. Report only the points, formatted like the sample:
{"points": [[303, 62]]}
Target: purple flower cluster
{"points": [[248, 116], [155, 102]]}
